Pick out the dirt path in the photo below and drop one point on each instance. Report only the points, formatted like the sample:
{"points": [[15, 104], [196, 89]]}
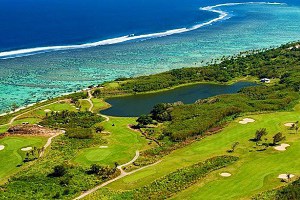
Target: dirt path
{"points": [[90, 101], [48, 143], [16, 117], [123, 174]]}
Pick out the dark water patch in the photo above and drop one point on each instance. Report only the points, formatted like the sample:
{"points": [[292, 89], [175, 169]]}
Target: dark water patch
{"points": [[136, 105]]}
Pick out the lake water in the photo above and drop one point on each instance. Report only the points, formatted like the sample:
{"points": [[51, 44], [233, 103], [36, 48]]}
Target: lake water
{"points": [[136, 105]]}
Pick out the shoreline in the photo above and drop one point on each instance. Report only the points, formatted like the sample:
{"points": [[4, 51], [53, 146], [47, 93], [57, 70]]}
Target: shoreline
{"points": [[242, 79]]}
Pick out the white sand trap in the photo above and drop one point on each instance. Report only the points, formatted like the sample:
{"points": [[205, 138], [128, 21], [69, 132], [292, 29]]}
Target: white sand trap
{"points": [[282, 147], [225, 174], [26, 149], [47, 110], [103, 147], [289, 124], [285, 176], [246, 121], [2, 147]]}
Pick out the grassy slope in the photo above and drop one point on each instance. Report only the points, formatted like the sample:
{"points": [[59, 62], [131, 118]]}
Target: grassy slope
{"points": [[253, 173], [12, 155], [122, 144], [99, 104]]}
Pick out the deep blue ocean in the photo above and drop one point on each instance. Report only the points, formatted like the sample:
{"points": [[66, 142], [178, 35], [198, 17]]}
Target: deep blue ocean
{"points": [[64, 29], [39, 23]]}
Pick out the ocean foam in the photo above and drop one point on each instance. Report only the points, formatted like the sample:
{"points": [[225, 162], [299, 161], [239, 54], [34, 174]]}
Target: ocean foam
{"points": [[222, 16]]}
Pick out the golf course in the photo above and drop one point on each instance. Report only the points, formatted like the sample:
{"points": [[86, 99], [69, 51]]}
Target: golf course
{"points": [[255, 172]]}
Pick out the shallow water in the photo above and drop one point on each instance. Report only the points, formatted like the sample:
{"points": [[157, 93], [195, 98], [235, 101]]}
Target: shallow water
{"points": [[29, 79], [136, 105]]}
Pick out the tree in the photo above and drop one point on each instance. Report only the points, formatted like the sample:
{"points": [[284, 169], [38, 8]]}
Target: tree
{"points": [[277, 138], [260, 133], [234, 145], [97, 93], [59, 170], [160, 112], [144, 120], [95, 169], [99, 129]]}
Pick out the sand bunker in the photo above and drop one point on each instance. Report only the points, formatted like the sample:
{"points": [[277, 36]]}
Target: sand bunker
{"points": [[2, 147], [225, 174], [246, 121], [285, 176], [47, 110], [103, 147], [282, 147], [289, 124], [26, 149]]}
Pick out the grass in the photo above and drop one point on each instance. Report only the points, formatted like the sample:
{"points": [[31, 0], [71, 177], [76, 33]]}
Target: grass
{"points": [[256, 171], [85, 105], [3, 129], [122, 144], [11, 155], [99, 104], [56, 107]]}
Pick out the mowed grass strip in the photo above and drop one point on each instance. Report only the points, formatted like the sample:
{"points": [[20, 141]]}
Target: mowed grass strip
{"points": [[174, 182], [255, 172], [11, 155], [121, 146]]}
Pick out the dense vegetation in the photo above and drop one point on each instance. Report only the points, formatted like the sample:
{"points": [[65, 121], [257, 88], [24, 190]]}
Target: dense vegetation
{"points": [[77, 124], [177, 181], [282, 63]]}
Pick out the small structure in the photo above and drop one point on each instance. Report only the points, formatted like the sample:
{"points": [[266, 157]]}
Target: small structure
{"points": [[265, 80]]}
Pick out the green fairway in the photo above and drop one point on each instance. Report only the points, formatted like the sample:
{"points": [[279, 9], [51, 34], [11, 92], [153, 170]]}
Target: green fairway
{"points": [[30, 120], [3, 129], [56, 107], [11, 155], [256, 171], [121, 147]]}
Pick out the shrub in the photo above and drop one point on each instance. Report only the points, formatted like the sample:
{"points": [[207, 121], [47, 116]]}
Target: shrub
{"points": [[144, 120], [58, 171], [79, 133]]}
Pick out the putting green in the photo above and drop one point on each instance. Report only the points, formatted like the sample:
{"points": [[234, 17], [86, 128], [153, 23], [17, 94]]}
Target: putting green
{"points": [[11, 155], [255, 172], [121, 147]]}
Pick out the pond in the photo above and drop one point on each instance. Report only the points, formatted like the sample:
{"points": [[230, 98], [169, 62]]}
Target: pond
{"points": [[136, 105]]}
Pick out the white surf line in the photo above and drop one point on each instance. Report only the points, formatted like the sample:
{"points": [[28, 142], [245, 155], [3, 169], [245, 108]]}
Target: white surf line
{"points": [[222, 16]]}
